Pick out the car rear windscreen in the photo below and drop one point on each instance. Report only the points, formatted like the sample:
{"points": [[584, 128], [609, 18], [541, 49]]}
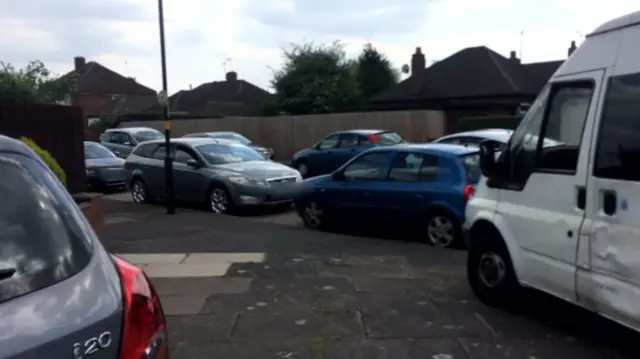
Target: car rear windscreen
{"points": [[43, 237], [472, 165], [389, 138]]}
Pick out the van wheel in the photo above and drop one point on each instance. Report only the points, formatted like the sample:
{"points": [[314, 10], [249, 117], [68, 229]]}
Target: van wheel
{"points": [[490, 273], [443, 230]]}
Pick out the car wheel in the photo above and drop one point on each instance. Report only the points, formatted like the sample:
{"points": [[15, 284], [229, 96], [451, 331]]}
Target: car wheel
{"points": [[303, 168], [219, 200], [490, 273], [443, 230], [139, 192], [313, 215]]}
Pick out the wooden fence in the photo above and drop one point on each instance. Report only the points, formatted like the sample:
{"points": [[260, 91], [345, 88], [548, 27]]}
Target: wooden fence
{"points": [[57, 129], [288, 134]]}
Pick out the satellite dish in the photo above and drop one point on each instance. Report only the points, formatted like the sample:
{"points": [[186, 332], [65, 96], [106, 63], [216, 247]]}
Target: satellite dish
{"points": [[405, 69]]}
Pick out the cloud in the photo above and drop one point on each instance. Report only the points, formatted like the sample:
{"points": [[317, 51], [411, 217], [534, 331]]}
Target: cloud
{"points": [[207, 37]]}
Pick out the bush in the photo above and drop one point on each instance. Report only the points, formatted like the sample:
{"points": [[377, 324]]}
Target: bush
{"points": [[47, 158]]}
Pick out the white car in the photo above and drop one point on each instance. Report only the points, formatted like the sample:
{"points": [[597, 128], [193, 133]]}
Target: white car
{"points": [[560, 215]]}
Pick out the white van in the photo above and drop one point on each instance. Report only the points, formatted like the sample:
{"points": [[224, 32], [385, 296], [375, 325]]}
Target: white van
{"points": [[560, 208]]}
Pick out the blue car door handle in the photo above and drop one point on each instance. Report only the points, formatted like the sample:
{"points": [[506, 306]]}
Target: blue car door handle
{"points": [[418, 195], [367, 194]]}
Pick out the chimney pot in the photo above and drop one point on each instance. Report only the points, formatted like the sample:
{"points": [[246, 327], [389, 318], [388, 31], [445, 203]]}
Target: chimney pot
{"points": [[79, 62], [232, 76], [512, 55], [418, 63], [572, 48]]}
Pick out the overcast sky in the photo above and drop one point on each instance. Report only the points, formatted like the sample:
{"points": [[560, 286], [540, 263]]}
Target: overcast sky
{"points": [[203, 34]]}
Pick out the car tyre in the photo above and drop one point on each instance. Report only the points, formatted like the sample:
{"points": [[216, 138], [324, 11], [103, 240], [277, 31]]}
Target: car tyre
{"points": [[313, 215], [490, 273], [219, 200], [443, 229], [303, 168], [139, 192]]}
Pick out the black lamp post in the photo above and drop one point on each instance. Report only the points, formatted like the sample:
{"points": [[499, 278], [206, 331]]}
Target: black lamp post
{"points": [[163, 100]]}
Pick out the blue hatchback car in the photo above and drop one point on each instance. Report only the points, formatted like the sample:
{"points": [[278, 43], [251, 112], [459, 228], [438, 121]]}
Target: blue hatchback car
{"points": [[421, 187]]}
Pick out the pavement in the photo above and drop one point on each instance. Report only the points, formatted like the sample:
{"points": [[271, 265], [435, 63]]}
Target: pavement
{"points": [[250, 287]]}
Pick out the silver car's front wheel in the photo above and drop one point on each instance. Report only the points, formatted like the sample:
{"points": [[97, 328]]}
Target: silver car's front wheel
{"points": [[219, 201]]}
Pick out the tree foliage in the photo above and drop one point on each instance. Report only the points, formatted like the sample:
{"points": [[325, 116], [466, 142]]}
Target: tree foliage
{"points": [[31, 84], [374, 71], [316, 79]]}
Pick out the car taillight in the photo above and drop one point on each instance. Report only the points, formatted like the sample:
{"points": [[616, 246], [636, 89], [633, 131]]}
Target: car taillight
{"points": [[469, 191], [374, 139], [145, 327]]}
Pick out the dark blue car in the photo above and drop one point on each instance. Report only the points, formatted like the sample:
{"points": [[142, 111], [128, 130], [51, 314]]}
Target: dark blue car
{"points": [[421, 187], [338, 148]]}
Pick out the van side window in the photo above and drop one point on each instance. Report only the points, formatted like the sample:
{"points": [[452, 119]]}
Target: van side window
{"points": [[549, 137], [618, 145], [564, 125]]}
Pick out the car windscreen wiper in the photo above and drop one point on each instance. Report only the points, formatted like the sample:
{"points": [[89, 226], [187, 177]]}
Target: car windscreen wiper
{"points": [[6, 273]]}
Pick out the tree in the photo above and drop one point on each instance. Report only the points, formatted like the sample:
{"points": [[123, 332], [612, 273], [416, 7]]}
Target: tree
{"points": [[316, 79], [374, 71], [32, 84]]}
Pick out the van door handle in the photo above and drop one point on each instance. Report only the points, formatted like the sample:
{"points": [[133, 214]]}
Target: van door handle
{"points": [[581, 197], [609, 202]]}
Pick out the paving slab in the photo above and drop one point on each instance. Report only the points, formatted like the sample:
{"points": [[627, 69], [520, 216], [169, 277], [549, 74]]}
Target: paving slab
{"points": [[182, 304], [201, 286], [200, 329], [183, 270], [532, 348], [153, 258], [297, 323], [282, 349], [231, 257]]}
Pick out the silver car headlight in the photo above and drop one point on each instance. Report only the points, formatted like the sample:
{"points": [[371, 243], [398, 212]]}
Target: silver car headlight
{"points": [[249, 181]]}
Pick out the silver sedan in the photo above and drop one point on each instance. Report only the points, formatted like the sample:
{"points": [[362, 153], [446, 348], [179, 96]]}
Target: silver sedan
{"points": [[226, 175]]}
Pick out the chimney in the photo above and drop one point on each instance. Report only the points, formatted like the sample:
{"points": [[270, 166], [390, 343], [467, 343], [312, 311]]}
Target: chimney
{"points": [[418, 64], [513, 57], [232, 76], [572, 48], [79, 62]]}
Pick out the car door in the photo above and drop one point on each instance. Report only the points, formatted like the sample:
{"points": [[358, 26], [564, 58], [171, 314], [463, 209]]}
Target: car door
{"points": [[353, 197], [403, 192], [609, 277], [191, 183], [121, 143], [321, 160], [155, 175], [547, 168], [347, 148]]}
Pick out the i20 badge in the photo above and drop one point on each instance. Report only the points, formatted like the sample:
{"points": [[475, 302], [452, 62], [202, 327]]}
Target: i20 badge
{"points": [[92, 345]]}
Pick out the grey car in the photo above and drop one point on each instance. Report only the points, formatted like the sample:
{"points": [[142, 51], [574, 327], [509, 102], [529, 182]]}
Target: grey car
{"points": [[122, 140], [105, 170], [234, 136], [226, 175], [62, 295]]}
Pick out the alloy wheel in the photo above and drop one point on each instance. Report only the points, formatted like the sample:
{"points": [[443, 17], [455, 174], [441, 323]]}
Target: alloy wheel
{"points": [[219, 201], [491, 269], [303, 169], [313, 215], [441, 231], [138, 192]]}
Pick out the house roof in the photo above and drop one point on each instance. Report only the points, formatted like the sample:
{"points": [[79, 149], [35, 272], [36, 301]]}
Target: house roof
{"points": [[94, 78], [473, 72], [128, 104], [226, 98]]}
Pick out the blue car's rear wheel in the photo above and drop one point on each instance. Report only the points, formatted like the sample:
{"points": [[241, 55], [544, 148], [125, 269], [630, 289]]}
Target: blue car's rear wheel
{"points": [[443, 230]]}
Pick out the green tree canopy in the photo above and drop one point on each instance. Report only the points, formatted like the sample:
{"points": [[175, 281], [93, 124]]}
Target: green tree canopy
{"points": [[316, 79], [374, 72], [31, 84]]}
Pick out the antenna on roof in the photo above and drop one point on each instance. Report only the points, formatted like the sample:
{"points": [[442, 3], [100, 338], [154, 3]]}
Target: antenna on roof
{"points": [[521, 43]]}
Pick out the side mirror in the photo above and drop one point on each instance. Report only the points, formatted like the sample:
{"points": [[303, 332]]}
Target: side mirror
{"points": [[487, 158], [338, 176], [193, 163]]}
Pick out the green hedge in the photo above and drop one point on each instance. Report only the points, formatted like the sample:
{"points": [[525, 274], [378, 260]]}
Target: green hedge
{"points": [[479, 123], [47, 158]]}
